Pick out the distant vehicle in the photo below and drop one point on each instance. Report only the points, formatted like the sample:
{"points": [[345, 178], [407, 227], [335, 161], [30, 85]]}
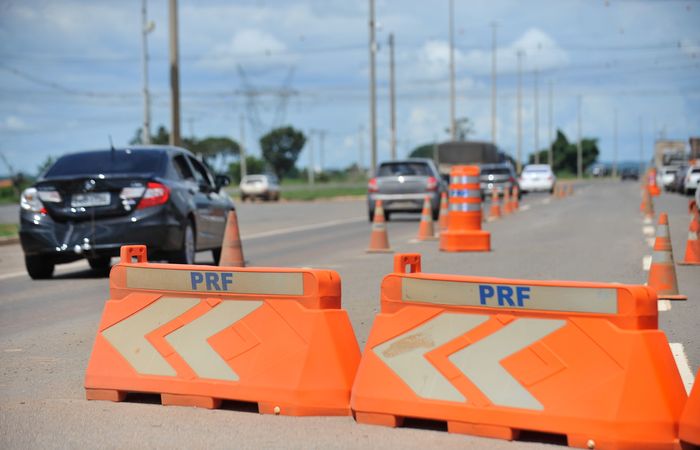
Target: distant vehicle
{"points": [[402, 186], [629, 173], [678, 183], [692, 179], [89, 204], [497, 177], [665, 176], [265, 187], [537, 177]]}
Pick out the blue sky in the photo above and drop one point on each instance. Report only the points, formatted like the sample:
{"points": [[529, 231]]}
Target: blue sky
{"points": [[70, 71]]}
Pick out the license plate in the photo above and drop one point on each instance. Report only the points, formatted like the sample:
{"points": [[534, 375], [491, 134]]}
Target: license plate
{"points": [[90, 199]]}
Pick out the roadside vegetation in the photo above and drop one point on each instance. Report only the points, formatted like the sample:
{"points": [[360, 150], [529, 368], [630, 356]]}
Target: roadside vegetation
{"points": [[8, 230]]}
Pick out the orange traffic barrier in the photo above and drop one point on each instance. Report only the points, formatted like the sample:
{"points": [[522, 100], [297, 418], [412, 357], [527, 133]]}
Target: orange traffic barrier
{"points": [[662, 273], [464, 231], [507, 205], [198, 335], [231, 248], [379, 239], [514, 202], [426, 232], [692, 245], [689, 430], [495, 357], [651, 183], [444, 213], [495, 211]]}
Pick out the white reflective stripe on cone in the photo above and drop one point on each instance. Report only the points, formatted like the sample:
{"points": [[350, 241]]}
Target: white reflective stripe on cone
{"points": [[465, 207]]}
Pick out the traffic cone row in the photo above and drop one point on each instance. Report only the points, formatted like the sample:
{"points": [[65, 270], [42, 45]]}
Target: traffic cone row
{"points": [[662, 273], [495, 212], [692, 246]]}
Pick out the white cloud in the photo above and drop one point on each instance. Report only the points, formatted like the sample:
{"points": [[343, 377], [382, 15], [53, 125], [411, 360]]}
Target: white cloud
{"points": [[14, 123], [243, 45]]}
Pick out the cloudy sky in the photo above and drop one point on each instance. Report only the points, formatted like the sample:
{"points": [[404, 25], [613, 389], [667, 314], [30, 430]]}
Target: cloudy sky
{"points": [[71, 74]]}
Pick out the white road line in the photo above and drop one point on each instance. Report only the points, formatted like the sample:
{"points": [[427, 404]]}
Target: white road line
{"points": [[683, 367], [648, 230], [315, 226], [648, 221], [546, 201], [650, 242], [646, 263], [491, 219], [664, 305], [525, 207]]}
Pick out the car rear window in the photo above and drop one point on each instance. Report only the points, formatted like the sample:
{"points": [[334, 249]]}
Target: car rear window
{"points": [[495, 171], [387, 170], [254, 179], [696, 171], [536, 170], [109, 162]]}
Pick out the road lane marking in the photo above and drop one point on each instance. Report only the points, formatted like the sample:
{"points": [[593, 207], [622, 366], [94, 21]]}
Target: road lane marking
{"points": [[650, 241], [648, 221], [525, 207], [546, 201], [315, 226], [646, 262], [664, 305], [683, 366], [648, 230]]}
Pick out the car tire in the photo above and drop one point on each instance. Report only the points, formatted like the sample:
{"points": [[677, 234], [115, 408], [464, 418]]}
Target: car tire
{"points": [[100, 263], [371, 215], [39, 267], [185, 255], [436, 214], [216, 254], [387, 216]]}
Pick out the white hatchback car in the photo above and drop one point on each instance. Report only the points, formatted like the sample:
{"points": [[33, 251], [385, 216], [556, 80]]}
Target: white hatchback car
{"points": [[265, 187], [692, 179], [537, 177]]}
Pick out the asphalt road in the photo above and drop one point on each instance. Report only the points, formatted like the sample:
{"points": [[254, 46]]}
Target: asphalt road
{"points": [[47, 327]]}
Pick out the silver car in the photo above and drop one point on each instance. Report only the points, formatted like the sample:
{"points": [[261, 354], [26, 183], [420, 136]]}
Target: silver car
{"points": [[498, 177], [402, 186]]}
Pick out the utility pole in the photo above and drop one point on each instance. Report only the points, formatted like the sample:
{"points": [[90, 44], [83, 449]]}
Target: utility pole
{"points": [[174, 77], [494, 49], [519, 155], [641, 146], [146, 27], [537, 117], [321, 138], [361, 148], [614, 167], [550, 155], [242, 155], [311, 168], [579, 150], [392, 95], [453, 123], [372, 90]]}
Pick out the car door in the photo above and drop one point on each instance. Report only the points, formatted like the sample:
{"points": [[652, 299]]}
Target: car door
{"points": [[212, 207]]}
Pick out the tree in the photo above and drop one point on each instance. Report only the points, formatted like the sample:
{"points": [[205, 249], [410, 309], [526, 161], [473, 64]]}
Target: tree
{"points": [[423, 151], [464, 127], [565, 153], [253, 165], [281, 148]]}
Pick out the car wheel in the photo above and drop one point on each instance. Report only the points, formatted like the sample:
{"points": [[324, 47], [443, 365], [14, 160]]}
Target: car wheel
{"points": [[38, 267], [371, 215], [100, 263], [216, 253], [186, 253], [387, 216], [436, 214]]}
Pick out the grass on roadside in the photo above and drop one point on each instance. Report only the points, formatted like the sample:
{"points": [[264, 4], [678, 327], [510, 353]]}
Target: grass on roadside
{"points": [[8, 230], [323, 192]]}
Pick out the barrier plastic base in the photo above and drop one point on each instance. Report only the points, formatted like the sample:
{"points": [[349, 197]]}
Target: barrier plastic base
{"points": [[465, 241]]}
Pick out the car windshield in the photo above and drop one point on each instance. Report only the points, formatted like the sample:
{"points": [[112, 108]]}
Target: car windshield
{"points": [[108, 162], [386, 170]]}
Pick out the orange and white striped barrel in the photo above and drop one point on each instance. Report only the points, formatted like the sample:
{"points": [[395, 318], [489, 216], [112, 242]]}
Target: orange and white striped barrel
{"points": [[464, 220]]}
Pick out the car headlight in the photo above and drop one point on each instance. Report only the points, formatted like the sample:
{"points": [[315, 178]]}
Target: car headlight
{"points": [[29, 200]]}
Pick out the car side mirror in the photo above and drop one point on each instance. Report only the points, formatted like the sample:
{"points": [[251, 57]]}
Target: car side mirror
{"points": [[221, 181]]}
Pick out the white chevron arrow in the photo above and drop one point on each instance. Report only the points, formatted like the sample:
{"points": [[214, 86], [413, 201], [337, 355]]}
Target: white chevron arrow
{"points": [[190, 341], [128, 336], [404, 354], [480, 361]]}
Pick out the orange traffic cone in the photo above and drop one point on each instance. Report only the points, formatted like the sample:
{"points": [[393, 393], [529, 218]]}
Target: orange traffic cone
{"points": [[379, 239], [662, 273], [425, 230], [231, 247], [444, 213], [495, 211], [692, 246], [506, 202], [571, 189], [514, 202]]}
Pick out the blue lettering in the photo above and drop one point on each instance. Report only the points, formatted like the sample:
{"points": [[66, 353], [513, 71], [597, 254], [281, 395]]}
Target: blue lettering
{"points": [[522, 293], [505, 293], [226, 279], [212, 281], [196, 278], [485, 292]]}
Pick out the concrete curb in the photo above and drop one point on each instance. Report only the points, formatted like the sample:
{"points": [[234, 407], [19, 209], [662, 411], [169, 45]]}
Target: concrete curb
{"points": [[9, 240]]}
